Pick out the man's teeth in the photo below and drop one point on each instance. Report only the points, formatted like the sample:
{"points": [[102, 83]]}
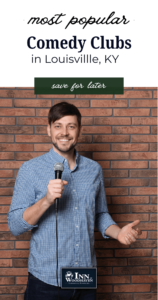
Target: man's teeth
{"points": [[64, 140]]}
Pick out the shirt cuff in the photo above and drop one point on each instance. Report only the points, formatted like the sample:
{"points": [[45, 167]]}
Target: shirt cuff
{"points": [[105, 221]]}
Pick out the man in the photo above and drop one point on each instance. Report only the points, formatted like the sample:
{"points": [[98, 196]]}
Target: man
{"points": [[82, 206]]}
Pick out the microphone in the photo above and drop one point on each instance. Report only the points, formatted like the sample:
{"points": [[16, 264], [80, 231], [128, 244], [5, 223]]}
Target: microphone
{"points": [[58, 168]]}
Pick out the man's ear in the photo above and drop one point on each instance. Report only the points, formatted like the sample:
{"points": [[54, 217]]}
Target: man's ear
{"points": [[48, 130]]}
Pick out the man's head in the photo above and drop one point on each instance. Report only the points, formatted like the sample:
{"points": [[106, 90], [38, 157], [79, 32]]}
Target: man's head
{"points": [[64, 126]]}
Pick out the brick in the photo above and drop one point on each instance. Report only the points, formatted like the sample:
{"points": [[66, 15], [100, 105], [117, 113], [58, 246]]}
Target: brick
{"points": [[153, 182], [17, 94], [104, 164], [153, 218], [21, 280], [41, 130], [110, 155], [144, 155], [143, 139], [153, 270], [12, 289], [144, 88], [153, 129], [115, 173], [132, 288], [32, 139], [131, 129], [20, 263], [6, 155], [7, 121], [130, 217], [153, 199], [87, 120], [154, 112], [152, 235], [17, 112], [132, 112], [6, 138], [6, 191], [130, 182], [112, 121], [116, 191], [109, 244], [142, 103], [32, 103], [113, 279], [152, 164], [112, 262], [144, 121], [144, 244], [5, 200], [130, 270], [108, 103], [129, 164], [143, 191], [147, 226], [56, 96], [96, 112], [16, 147], [77, 103], [146, 261], [6, 102], [42, 147], [146, 296], [3, 218], [93, 147], [143, 173], [13, 254], [130, 200], [144, 279], [7, 182], [11, 164], [111, 138], [20, 297], [118, 209], [153, 147], [22, 245], [154, 252], [144, 208], [28, 156], [130, 147], [103, 253], [4, 227], [8, 236], [6, 245], [16, 129], [96, 129], [155, 94], [132, 252], [135, 94], [32, 121], [5, 280], [104, 288], [112, 296], [91, 96], [6, 263]]}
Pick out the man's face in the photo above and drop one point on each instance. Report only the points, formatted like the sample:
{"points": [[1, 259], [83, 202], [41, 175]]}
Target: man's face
{"points": [[64, 133]]}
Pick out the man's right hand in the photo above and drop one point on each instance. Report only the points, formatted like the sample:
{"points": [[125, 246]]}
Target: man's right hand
{"points": [[55, 189]]}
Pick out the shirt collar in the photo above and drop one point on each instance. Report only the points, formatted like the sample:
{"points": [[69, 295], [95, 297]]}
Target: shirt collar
{"points": [[58, 158]]}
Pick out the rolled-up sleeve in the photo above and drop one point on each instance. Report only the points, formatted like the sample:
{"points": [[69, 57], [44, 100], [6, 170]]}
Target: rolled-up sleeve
{"points": [[102, 218], [23, 197]]}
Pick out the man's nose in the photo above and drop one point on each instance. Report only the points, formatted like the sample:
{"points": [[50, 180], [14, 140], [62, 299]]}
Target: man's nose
{"points": [[65, 130]]}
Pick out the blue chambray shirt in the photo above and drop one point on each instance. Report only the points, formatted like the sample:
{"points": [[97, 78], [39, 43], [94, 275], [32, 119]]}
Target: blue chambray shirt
{"points": [[82, 207]]}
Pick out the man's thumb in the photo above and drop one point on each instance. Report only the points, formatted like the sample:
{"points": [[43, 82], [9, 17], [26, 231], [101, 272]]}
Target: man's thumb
{"points": [[65, 182]]}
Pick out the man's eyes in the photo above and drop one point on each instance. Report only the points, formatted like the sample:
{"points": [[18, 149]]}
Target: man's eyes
{"points": [[58, 126]]}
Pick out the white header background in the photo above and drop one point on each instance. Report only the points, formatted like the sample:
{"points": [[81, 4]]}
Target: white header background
{"points": [[138, 65]]}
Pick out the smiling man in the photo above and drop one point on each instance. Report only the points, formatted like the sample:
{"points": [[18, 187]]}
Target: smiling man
{"points": [[82, 206]]}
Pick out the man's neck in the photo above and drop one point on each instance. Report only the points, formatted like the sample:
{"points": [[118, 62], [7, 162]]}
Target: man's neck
{"points": [[70, 156]]}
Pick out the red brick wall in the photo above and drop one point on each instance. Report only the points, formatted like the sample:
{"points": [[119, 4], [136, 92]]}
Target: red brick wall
{"points": [[119, 131]]}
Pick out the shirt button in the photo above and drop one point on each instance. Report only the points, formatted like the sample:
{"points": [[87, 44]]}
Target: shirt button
{"points": [[73, 190], [76, 225], [76, 263], [75, 207], [76, 244]]}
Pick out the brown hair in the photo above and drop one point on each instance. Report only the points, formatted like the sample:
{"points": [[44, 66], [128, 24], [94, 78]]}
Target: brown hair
{"points": [[61, 110]]}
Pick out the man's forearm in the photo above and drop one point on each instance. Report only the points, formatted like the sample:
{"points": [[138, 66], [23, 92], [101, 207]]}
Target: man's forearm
{"points": [[32, 214], [113, 231]]}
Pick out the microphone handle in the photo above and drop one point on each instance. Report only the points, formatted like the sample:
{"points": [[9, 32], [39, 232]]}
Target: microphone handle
{"points": [[58, 174]]}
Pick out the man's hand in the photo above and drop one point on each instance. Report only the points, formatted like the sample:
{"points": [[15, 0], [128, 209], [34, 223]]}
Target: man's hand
{"points": [[55, 189], [127, 234]]}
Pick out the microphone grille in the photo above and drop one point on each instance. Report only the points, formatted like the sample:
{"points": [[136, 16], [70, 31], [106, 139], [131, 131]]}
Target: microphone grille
{"points": [[59, 167]]}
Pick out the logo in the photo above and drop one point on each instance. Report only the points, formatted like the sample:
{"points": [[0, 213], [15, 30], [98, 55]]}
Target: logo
{"points": [[77, 277]]}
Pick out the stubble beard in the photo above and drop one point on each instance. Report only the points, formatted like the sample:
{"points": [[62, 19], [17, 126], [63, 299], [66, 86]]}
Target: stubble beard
{"points": [[72, 146]]}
